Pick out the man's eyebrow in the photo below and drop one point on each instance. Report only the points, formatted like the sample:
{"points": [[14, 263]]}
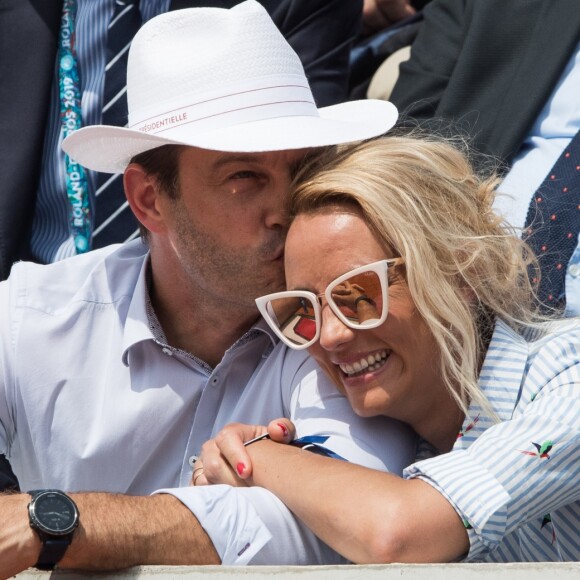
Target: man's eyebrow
{"points": [[256, 158], [241, 158]]}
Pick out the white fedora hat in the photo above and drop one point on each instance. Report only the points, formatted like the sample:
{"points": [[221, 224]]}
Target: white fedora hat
{"points": [[224, 80]]}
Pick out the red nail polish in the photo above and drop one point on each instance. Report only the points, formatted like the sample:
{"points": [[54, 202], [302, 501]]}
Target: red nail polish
{"points": [[240, 468], [283, 427]]}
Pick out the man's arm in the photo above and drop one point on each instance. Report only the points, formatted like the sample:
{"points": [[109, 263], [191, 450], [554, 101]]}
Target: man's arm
{"points": [[115, 531], [367, 516]]}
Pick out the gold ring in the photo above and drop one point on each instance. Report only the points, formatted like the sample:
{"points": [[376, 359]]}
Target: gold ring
{"points": [[194, 477]]}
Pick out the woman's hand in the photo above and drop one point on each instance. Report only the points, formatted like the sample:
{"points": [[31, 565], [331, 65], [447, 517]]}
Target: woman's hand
{"points": [[225, 458]]}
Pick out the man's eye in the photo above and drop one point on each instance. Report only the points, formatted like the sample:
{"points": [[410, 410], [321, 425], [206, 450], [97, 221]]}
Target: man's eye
{"points": [[245, 175]]}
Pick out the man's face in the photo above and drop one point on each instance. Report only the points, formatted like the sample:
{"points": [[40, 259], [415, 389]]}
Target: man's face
{"points": [[228, 225]]}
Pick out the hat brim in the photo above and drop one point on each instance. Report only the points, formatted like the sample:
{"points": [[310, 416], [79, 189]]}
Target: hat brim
{"points": [[109, 149]]}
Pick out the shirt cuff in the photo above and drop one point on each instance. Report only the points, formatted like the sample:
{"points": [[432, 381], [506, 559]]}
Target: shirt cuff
{"points": [[477, 496], [231, 521]]}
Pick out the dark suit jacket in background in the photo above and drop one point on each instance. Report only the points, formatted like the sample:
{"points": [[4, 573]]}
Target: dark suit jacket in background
{"points": [[491, 65], [320, 31]]}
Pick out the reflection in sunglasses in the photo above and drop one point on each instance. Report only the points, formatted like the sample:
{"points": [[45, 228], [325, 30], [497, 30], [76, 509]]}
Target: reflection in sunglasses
{"points": [[359, 298]]}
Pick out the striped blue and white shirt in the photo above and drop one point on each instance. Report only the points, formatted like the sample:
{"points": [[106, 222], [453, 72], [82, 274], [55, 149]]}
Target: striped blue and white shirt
{"points": [[52, 238], [515, 482]]}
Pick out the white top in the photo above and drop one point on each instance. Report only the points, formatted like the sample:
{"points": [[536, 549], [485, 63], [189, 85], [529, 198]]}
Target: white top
{"points": [[92, 398]]}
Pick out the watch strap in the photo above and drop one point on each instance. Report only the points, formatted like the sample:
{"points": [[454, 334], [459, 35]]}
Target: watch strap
{"points": [[53, 549]]}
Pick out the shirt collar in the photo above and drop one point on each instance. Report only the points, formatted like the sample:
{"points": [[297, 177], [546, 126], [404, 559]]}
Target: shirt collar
{"points": [[137, 325], [142, 323], [262, 327]]}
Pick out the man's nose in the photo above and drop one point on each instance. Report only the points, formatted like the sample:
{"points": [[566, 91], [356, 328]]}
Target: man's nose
{"points": [[277, 212]]}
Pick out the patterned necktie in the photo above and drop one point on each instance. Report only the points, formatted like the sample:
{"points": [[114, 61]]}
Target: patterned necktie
{"points": [[114, 220], [553, 224]]}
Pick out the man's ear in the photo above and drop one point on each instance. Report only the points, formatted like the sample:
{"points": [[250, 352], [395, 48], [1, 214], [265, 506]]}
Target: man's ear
{"points": [[142, 193]]}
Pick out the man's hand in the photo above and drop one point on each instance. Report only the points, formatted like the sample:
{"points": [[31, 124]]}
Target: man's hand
{"points": [[19, 544], [225, 459], [379, 14]]}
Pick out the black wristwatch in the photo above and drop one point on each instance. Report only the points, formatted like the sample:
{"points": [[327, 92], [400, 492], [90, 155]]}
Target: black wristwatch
{"points": [[54, 516]]}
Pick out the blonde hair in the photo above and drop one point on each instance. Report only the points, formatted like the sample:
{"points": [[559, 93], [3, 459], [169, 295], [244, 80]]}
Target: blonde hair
{"points": [[464, 268]]}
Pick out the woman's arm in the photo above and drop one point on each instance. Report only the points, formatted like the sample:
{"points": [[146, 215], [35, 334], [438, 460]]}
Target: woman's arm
{"points": [[367, 516]]}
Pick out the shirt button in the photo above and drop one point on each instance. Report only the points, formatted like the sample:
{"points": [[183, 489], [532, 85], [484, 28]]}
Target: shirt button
{"points": [[574, 270], [192, 460], [167, 351], [214, 381]]}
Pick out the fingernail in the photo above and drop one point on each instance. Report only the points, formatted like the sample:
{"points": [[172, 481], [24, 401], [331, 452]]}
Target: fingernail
{"points": [[283, 427], [240, 468]]}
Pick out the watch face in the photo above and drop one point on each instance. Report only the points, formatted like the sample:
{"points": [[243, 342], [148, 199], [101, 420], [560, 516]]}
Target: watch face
{"points": [[54, 513]]}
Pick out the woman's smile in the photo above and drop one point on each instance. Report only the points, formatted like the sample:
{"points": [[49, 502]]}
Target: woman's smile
{"points": [[365, 365]]}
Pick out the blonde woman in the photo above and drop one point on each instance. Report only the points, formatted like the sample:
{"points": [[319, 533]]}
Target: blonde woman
{"points": [[455, 349]]}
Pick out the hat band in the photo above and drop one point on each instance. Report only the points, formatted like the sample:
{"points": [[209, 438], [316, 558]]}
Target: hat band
{"points": [[244, 106]]}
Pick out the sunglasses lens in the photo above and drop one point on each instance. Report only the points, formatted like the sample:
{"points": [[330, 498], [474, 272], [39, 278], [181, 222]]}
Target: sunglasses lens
{"points": [[295, 317], [359, 298]]}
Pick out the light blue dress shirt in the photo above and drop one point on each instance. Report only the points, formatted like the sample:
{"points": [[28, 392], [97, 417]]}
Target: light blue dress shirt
{"points": [[93, 398], [555, 127], [515, 481]]}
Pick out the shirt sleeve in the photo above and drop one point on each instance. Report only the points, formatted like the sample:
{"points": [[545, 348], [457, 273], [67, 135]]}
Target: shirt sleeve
{"points": [[521, 469], [249, 525], [252, 526]]}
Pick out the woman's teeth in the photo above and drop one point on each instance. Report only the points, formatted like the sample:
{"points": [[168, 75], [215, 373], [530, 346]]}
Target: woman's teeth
{"points": [[369, 363]]}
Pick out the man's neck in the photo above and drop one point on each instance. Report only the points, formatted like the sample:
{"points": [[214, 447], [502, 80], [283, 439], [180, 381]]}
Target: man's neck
{"points": [[193, 323]]}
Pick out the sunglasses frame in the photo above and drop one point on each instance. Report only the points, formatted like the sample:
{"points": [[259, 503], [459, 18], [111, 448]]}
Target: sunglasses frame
{"points": [[380, 268]]}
